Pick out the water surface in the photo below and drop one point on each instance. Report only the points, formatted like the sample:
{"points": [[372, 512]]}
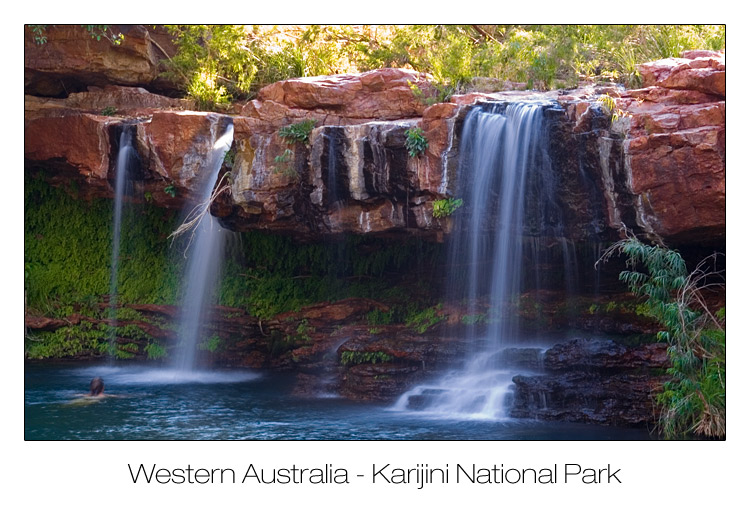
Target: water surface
{"points": [[151, 403]]}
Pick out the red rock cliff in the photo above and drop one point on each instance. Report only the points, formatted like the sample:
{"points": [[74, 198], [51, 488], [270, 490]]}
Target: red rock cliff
{"points": [[660, 167]]}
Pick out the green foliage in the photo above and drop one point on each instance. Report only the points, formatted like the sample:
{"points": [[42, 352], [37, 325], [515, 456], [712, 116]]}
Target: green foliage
{"points": [[292, 134], [610, 107], [67, 258], [229, 157], [379, 317], [445, 207], [96, 32], [421, 321], [416, 143], [480, 318], [433, 94], [109, 111], [212, 63], [303, 331], [67, 251], [694, 400], [39, 33], [212, 344], [539, 56], [91, 339], [298, 132], [217, 64], [170, 190], [271, 274], [284, 164], [349, 357], [155, 351], [73, 340]]}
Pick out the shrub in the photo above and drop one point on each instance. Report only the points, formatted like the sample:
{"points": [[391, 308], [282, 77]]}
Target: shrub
{"points": [[445, 207], [349, 357], [212, 62], [421, 321], [694, 400], [416, 143], [297, 132]]}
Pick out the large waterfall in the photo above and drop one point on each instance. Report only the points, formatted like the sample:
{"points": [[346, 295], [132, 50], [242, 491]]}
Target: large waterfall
{"points": [[506, 184], [204, 257]]}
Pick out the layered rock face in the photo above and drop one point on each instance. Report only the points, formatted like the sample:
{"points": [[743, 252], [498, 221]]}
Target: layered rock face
{"points": [[71, 59], [675, 147], [658, 166]]}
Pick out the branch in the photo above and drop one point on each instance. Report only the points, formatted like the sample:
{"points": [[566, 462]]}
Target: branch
{"points": [[193, 219]]}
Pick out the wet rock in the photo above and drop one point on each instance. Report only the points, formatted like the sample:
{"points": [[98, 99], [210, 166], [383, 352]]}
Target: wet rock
{"points": [[593, 381], [624, 399], [379, 382], [179, 157], [585, 354]]}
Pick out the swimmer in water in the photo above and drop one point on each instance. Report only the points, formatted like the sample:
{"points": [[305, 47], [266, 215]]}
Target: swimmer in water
{"points": [[96, 387], [96, 392]]}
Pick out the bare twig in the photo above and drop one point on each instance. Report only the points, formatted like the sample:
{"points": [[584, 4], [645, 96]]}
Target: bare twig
{"points": [[194, 218]]}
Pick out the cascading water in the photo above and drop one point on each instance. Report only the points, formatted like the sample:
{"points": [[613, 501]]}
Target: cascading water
{"points": [[503, 158], [331, 186], [204, 256], [126, 158]]}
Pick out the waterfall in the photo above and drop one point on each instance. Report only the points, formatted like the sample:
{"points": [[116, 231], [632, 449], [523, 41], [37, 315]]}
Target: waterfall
{"points": [[126, 158], [204, 257], [332, 178], [507, 184]]}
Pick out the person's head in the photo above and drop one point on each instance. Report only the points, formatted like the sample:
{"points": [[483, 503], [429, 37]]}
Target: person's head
{"points": [[96, 386]]}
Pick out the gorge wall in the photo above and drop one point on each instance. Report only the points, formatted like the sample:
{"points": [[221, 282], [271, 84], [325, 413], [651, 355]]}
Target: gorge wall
{"points": [[650, 159], [657, 164]]}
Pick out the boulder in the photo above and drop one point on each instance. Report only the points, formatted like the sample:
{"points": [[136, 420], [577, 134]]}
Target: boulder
{"points": [[177, 147], [675, 148], [71, 59], [75, 142], [593, 381], [702, 71], [383, 94]]}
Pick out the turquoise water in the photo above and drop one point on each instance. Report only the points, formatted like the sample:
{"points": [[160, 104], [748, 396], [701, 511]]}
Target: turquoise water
{"points": [[150, 403]]}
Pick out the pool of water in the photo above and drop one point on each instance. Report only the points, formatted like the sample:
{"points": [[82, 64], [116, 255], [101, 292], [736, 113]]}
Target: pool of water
{"points": [[151, 403]]}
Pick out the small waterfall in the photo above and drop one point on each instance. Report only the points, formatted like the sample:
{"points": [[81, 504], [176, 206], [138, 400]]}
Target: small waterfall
{"points": [[332, 178], [204, 257], [505, 182], [126, 159]]}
